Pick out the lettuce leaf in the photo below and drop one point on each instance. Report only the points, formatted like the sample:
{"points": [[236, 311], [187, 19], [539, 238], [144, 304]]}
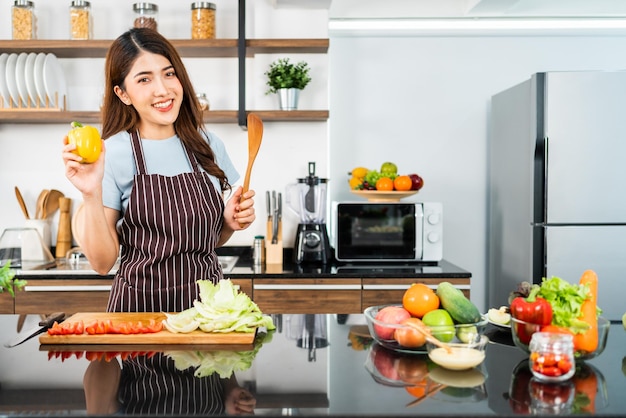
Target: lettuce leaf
{"points": [[221, 308], [566, 300]]}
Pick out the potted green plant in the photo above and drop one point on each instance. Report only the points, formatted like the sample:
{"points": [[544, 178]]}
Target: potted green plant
{"points": [[8, 281], [287, 80]]}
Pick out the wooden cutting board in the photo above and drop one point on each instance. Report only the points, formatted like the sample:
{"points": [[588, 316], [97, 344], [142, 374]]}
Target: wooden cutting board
{"points": [[162, 337]]}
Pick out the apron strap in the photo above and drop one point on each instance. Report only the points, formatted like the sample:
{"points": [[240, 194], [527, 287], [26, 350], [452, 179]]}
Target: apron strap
{"points": [[140, 161]]}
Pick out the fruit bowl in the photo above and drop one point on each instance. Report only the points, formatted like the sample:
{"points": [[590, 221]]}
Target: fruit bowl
{"points": [[383, 197], [382, 332], [522, 332], [459, 355]]}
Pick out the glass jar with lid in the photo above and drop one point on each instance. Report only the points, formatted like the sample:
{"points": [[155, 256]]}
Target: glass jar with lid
{"points": [[552, 356], [202, 20], [23, 20], [146, 15], [80, 20]]}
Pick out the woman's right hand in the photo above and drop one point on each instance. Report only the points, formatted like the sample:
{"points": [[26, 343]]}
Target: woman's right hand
{"points": [[87, 178]]}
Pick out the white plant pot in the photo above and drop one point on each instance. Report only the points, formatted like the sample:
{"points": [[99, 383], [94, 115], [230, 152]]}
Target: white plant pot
{"points": [[288, 98]]}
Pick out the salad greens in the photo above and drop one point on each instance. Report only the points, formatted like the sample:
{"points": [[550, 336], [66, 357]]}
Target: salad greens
{"points": [[8, 280], [566, 300], [222, 362], [221, 308]]}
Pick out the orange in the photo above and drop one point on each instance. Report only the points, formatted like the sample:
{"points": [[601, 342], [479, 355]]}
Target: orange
{"points": [[384, 184], [420, 299], [419, 391], [402, 183]]}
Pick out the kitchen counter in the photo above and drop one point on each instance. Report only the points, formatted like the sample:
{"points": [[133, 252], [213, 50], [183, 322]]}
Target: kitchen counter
{"points": [[337, 377], [237, 262], [285, 288]]}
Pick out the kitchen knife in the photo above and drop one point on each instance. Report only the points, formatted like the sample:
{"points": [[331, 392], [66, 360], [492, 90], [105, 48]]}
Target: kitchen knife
{"points": [[43, 326], [274, 218]]}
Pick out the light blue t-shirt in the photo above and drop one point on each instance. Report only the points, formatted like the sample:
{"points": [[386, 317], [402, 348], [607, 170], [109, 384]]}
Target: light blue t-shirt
{"points": [[165, 157]]}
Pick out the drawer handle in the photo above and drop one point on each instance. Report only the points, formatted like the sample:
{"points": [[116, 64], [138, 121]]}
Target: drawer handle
{"points": [[403, 287], [307, 287], [84, 288]]}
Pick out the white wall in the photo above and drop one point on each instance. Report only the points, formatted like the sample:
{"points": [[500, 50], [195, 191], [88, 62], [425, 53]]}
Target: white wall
{"points": [[30, 155], [423, 102]]}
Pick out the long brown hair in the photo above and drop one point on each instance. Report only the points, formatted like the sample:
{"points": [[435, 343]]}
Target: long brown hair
{"points": [[117, 116]]}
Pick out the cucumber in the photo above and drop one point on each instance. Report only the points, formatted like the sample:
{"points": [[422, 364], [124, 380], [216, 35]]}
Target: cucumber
{"points": [[460, 308]]}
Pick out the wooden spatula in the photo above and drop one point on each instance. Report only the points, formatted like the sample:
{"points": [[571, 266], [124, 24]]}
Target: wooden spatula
{"points": [[255, 135]]}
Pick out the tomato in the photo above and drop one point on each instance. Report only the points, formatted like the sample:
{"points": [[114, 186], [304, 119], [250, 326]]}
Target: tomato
{"points": [[384, 184], [87, 140], [557, 329], [402, 183], [410, 337], [420, 299]]}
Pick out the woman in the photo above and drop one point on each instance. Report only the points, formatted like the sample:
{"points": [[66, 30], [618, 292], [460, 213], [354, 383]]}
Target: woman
{"points": [[157, 192], [157, 189]]}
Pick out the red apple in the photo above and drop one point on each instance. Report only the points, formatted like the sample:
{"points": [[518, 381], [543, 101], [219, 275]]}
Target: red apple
{"points": [[385, 362], [417, 181], [389, 315]]}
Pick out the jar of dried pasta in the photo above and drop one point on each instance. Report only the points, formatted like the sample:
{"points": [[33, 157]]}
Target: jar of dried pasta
{"points": [[23, 20], [202, 20], [80, 20], [146, 15]]}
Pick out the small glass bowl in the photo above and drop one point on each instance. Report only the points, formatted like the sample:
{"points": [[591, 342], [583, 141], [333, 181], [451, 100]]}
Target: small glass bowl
{"points": [[522, 332], [458, 333], [462, 356]]}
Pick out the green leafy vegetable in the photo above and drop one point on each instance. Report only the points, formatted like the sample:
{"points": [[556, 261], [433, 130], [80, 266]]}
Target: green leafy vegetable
{"points": [[221, 308], [566, 300], [8, 280], [222, 362]]}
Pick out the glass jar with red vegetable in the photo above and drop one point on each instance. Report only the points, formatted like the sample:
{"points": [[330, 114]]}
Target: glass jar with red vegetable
{"points": [[552, 356]]}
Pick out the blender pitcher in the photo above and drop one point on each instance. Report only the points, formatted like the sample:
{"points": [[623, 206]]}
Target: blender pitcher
{"points": [[307, 199]]}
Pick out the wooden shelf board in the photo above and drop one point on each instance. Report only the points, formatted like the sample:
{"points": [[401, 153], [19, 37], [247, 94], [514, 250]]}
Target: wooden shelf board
{"points": [[192, 48]]}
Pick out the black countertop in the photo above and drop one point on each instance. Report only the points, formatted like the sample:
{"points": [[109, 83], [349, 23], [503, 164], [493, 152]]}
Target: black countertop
{"points": [[339, 377], [244, 267]]}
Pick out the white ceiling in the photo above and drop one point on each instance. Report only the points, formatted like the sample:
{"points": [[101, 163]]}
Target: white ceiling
{"points": [[345, 9]]}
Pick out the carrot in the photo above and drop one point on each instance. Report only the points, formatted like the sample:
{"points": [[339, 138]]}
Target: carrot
{"points": [[588, 340], [586, 386]]}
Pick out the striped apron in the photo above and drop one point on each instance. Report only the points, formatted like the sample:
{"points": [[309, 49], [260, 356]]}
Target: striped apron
{"points": [[152, 385], [168, 236]]}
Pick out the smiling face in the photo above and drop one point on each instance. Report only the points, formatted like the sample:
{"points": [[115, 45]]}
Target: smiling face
{"points": [[155, 91]]}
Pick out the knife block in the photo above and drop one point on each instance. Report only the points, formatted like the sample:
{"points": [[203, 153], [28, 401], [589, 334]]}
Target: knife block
{"points": [[64, 233], [274, 252]]}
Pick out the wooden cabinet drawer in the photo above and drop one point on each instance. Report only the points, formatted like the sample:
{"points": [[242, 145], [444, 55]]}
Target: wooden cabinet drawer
{"points": [[390, 291], [6, 303], [69, 296], [330, 295]]}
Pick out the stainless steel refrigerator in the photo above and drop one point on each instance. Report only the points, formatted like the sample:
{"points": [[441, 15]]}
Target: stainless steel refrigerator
{"points": [[557, 184]]}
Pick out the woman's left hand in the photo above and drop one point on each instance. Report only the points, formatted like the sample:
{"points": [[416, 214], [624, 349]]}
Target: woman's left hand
{"points": [[239, 213]]}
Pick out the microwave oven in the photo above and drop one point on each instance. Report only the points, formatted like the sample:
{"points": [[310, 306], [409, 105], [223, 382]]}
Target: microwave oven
{"points": [[387, 231]]}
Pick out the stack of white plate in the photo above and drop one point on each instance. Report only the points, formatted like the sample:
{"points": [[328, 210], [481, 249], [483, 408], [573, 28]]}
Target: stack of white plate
{"points": [[30, 80]]}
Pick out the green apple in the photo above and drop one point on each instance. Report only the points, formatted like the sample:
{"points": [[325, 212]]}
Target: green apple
{"points": [[440, 323], [467, 334], [389, 168], [624, 320], [499, 316]]}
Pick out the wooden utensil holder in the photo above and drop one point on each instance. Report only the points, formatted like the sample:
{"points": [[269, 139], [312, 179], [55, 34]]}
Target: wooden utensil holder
{"points": [[274, 252]]}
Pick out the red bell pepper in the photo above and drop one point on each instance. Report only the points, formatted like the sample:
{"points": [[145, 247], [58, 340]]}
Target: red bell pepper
{"points": [[533, 310]]}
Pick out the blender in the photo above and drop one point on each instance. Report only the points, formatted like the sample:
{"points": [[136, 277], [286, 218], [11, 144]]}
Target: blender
{"points": [[307, 199]]}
